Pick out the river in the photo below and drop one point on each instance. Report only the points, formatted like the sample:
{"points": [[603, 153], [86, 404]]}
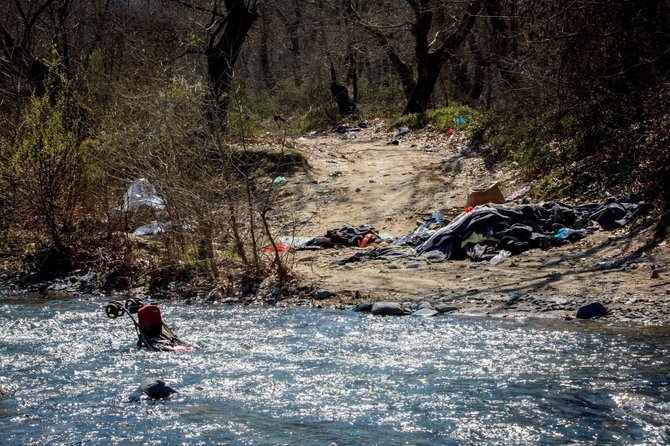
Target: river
{"points": [[270, 376]]}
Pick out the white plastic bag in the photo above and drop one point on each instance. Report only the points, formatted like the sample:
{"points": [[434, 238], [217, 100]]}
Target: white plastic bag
{"points": [[142, 193], [500, 257]]}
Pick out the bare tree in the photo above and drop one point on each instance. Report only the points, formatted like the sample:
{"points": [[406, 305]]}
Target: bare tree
{"points": [[225, 37], [430, 51]]}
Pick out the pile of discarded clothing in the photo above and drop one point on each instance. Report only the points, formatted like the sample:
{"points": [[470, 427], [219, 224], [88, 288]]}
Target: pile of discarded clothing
{"points": [[359, 236], [486, 230]]}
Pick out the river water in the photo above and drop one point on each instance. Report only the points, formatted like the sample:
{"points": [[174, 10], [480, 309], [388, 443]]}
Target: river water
{"points": [[268, 376]]}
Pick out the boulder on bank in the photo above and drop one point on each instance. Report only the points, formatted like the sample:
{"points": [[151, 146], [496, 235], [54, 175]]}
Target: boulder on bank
{"points": [[425, 309], [364, 307], [589, 311], [425, 312], [387, 309], [322, 294]]}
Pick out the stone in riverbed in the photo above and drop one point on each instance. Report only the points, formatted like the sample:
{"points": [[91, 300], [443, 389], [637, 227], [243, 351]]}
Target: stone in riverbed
{"points": [[589, 311], [444, 310], [364, 307], [425, 312], [322, 294], [387, 309], [424, 305], [157, 389]]}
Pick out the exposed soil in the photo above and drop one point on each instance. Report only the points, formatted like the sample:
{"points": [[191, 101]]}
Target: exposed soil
{"points": [[392, 187]]}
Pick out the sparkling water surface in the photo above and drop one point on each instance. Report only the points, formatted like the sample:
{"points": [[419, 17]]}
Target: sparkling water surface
{"points": [[269, 376]]}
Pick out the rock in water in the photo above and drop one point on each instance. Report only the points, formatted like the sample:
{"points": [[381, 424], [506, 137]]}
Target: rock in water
{"points": [[364, 307], [594, 309], [425, 312], [387, 309], [157, 388]]}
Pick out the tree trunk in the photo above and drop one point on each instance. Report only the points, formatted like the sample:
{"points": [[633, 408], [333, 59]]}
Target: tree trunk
{"points": [[27, 66], [345, 105], [222, 54], [264, 55], [426, 80], [430, 61]]}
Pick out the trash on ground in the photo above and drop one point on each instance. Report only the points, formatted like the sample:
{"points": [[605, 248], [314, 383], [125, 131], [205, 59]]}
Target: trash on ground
{"points": [[368, 237], [343, 236], [424, 231], [279, 181], [280, 248], [142, 193], [522, 227], [485, 195], [151, 228], [569, 234], [500, 257], [402, 131], [294, 241], [517, 194]]}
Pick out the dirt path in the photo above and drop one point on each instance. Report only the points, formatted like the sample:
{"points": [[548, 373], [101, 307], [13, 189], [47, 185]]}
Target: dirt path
{"points": [[391, 187]]}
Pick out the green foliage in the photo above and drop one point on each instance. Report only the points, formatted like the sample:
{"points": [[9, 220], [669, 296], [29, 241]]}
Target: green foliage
{"points": [[604, 143], [52, 170], [256, 162], [443, 118]]}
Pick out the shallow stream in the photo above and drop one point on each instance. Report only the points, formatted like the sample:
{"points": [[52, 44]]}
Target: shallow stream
{"points": [[267, 376]]}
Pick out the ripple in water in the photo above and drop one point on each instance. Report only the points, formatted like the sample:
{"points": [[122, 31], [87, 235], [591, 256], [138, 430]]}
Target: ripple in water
{"points": [[315, 377]]}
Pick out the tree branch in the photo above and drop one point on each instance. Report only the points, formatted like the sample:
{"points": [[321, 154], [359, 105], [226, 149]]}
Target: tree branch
{"points": [[452, 41]]}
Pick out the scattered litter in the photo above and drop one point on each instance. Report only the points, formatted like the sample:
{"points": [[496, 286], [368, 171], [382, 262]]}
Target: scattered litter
{"points": [[344, 236], [459, 120], [363, 243], [151, 228], [393, 142], [484, 195], [569, 234], [450, 132], [517, 193], [424, 231], [142, 193], [294, 241], [279, 181], [402, 131], [348, 129], [500, 257], [280, 248], [522, 227]]}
